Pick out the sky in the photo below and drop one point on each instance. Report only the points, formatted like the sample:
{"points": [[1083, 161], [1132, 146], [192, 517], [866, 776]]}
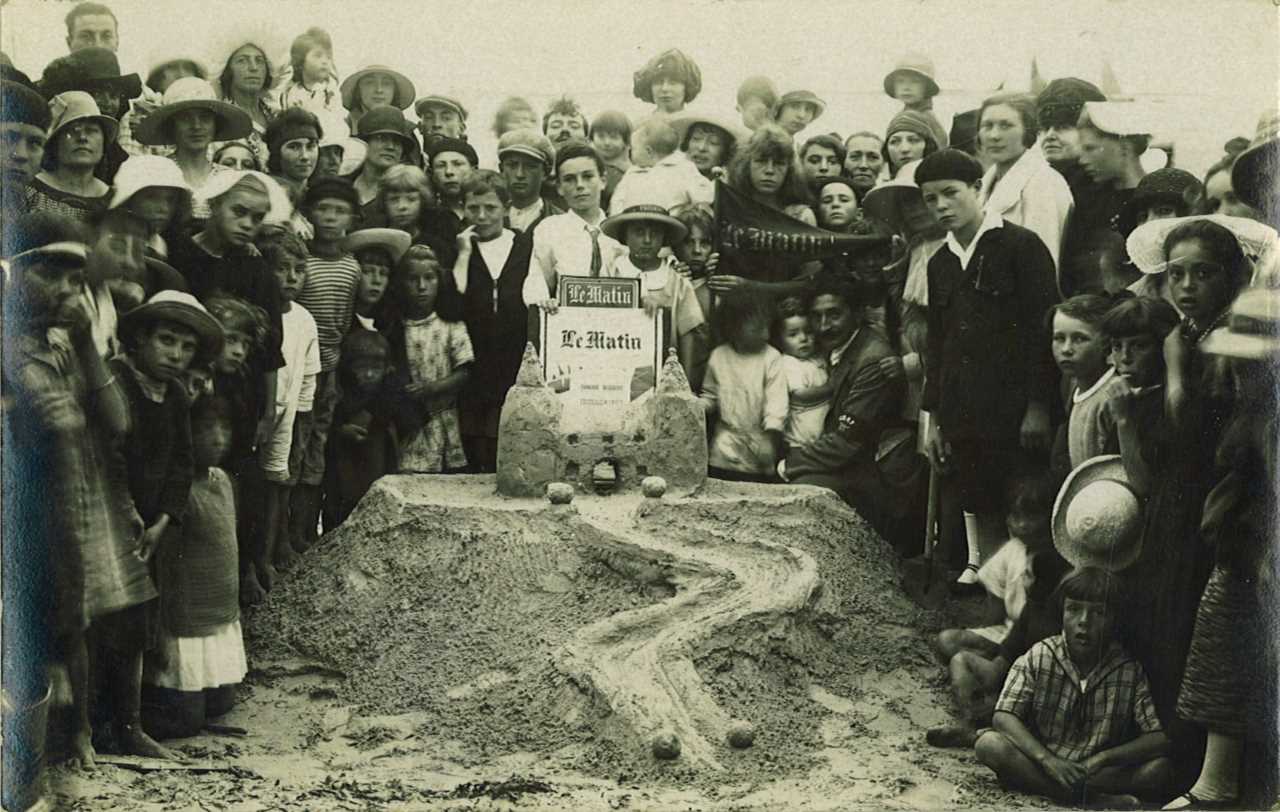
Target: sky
{"points": [[1212, 66]]}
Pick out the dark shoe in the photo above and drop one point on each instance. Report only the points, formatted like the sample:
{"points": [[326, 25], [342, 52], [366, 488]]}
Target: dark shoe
{"points": [[959, 590], [951, 736]]}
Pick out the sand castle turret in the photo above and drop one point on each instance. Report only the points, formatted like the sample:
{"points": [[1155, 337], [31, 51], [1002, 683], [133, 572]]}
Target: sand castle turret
{"points": [[663, 434]]}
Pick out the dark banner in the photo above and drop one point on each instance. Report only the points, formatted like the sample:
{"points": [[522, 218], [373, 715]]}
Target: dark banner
{"points": [[766, 245]]}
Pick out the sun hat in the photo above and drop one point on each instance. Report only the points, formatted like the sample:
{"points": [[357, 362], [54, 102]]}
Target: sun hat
{"points": [[440, 101], [735, 134], [386, 120], [394, 241], [60, 248], [1253, 327], [272, 46], [1097, 517], [1146, 243], [889, 200], [1253, 175], [914, 64], [528, 141], [191, 93], [1119, 118], [1061, 101], [616, 225], [89, 69], [673, 62], [183, 308], [405, 90], [139, 172], [442, 144], [1163, 185], [219, 183], [76, 105], [20, 102], [800, 97], [165, 276]]}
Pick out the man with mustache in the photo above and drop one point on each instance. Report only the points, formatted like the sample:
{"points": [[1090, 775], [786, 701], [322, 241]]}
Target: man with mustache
{"points": [[862, 453]]}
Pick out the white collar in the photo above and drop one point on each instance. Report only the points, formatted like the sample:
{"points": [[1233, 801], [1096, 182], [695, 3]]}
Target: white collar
{"points": [[535, 206], [990, 221], [1102, 381], [838, 353]]}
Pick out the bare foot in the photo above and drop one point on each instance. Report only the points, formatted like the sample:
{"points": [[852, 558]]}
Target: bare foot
{"points": [[134, 742], [83, 755], [285, 557], [251, 592]]}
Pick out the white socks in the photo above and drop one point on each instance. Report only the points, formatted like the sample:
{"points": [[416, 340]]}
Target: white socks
{"points": [[970, 574]]}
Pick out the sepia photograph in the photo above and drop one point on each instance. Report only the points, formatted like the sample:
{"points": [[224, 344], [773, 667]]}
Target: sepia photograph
{"points": [[716, 405]]}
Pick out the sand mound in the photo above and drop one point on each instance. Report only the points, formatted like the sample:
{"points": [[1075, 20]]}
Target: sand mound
{"points": [[588, 630]]}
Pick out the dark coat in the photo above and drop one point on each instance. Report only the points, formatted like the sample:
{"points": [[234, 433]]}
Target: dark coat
{"points": [[863, 406], [497, 322], [157, 451], [988, 351]]}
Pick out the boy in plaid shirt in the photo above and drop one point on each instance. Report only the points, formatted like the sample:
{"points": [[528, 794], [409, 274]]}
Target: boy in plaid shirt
{"points": [[1075, 717]]}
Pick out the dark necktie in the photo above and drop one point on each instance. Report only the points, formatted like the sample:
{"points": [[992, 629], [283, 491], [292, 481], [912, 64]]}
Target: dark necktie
{"points": [[596, 261]]}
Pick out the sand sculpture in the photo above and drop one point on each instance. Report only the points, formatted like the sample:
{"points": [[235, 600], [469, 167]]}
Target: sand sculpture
{"points": [[668, 622]]}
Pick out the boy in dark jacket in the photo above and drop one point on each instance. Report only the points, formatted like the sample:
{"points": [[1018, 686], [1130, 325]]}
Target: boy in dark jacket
{"points": [[989, 374]]}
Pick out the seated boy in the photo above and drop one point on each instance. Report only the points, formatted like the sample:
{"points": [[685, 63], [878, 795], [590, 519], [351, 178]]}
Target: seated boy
{"points": [[659, 173], [1076, 720]]}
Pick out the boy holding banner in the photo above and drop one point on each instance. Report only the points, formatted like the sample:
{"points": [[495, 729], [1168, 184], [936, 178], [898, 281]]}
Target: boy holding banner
{"points": [[572, 244]]}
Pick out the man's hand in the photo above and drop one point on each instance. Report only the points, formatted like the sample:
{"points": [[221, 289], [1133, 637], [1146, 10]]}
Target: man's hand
{"points": [[548, 306], [354, 431], [939, 451], [1035, 433], [149, 541], [728, 283], [265, 427], [1070, 775]]}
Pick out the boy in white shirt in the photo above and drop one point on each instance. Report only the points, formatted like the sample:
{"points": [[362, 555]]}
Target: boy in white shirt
{"points": [[646, 230]]}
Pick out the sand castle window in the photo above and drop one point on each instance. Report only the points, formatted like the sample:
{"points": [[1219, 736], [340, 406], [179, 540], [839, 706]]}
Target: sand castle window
{"points": [[604, 477]]}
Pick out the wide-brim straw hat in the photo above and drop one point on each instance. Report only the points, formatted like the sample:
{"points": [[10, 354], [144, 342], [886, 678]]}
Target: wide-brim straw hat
{"points": [[801, 97], [1120, 118], [139, 172], [405, 91], [917, 65], [76, 105], [887, 201], [1253, 327], [1146, 244], [182, 308], [1256, 171], [735, 133], [394, 241], [1097, 517], [191, 93], [616, 225]]}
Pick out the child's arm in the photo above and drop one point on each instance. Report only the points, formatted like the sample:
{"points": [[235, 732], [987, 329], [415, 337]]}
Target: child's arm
{"points": [[1067, 774], [441, 387], [1124, 415], [1146, 747], [1177, 357], [710, 394], [812, 395], [267, 421], [177, 484], [107, 399], [776, 405], [463, 262]]}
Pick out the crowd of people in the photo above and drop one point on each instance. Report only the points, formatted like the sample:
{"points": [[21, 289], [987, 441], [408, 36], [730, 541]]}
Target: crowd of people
{"points": [[235, 298]]}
